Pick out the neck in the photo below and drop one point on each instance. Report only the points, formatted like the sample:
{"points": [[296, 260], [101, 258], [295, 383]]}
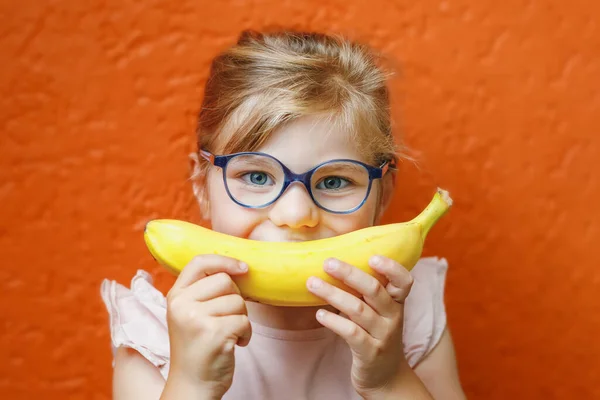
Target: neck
{"points": [[288, 318]]}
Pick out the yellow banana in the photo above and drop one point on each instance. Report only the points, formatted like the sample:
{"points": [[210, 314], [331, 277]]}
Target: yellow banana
{"points": [[278, 271]]}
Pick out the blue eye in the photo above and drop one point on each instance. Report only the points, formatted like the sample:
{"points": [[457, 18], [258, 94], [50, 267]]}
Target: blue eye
{"points": [[333, 183], [257, 178]]}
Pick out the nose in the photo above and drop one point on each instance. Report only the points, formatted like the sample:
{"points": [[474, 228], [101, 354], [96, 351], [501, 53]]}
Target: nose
{"points": [[295, 208]]}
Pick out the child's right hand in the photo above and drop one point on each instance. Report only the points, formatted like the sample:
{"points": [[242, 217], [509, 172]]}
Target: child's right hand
{"points": [[206, 317]]}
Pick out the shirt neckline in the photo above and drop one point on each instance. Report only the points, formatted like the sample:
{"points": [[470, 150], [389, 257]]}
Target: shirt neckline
{"points": [[289, 334]]}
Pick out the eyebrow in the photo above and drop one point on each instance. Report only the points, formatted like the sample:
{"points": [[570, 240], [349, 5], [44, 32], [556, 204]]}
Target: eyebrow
{"points": [[346, 166], [260, 160]]}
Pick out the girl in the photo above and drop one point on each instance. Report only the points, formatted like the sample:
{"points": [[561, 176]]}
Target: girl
{"points": [[277, 105]]}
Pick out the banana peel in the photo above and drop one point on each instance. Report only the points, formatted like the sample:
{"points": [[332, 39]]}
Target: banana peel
{"points": [[278, 271]]}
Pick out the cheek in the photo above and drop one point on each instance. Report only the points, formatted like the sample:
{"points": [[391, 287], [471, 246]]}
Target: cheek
{"points": [[368, 212], [362, 218], [226, 216]]}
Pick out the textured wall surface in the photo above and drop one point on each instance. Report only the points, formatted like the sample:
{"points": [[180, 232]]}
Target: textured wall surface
{"points": [[500, 98]]}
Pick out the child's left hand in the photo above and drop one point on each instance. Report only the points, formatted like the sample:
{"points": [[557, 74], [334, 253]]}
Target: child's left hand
{"points": [[374, 328]]}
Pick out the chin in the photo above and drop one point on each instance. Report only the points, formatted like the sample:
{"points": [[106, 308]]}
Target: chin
{"points": [[280, 239]]}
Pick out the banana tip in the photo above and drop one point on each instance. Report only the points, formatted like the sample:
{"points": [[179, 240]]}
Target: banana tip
{"points": [[445, 196], [148, 226]]}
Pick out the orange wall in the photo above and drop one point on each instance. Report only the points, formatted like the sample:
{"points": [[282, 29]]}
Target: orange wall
{"points": [[97, 110]]}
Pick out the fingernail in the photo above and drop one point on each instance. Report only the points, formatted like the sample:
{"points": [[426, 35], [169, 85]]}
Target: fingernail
{"points": [[315, 283], [243, 266], [320, 314], [375, 261], [332, 265]]}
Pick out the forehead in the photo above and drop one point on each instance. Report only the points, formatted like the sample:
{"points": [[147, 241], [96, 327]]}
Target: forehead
{"points": [[310, 140]]}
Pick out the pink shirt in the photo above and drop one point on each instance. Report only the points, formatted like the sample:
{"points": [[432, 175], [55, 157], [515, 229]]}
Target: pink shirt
{"points": [[278, 364]]}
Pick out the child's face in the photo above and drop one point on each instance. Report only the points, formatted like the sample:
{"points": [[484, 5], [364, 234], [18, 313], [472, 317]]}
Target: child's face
{"points": [[301, 145]]}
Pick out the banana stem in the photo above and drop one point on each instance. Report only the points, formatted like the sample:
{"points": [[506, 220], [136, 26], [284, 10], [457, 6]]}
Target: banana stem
{"points": [[438, 206]]}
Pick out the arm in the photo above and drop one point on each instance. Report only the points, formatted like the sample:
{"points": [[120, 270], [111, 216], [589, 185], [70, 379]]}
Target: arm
{"points": [[435, 377], [439, 372], [134, 377]]}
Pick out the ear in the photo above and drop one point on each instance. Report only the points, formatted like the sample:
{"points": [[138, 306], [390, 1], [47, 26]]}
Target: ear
{"points": [[386, 192], [199, 186]]}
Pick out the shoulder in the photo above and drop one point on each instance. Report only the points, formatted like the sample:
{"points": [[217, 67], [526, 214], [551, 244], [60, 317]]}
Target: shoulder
{"points": [[425, 312], [428, 342], [430, 269]]}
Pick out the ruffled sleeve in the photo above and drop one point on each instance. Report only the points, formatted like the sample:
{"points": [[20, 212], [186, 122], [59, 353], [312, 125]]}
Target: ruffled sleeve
{"points": [[424, 310], [138, 318]]}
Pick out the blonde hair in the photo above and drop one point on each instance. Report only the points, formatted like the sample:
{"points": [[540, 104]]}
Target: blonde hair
{"points": [[271, 78]]}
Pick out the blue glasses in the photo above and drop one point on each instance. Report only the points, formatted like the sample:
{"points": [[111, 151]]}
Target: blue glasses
{"points": [[256, 180]]}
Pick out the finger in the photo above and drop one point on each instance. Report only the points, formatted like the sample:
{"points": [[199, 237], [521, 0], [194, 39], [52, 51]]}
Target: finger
{"points": [[213, 286], [356, 309], [207, 264], [356, 337], [238, 327], [398, 294], [374, 294], [232, 304], [400, 279]]}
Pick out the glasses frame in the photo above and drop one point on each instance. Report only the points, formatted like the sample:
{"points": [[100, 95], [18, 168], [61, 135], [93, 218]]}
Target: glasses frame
{"points": [[221, 161]]}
